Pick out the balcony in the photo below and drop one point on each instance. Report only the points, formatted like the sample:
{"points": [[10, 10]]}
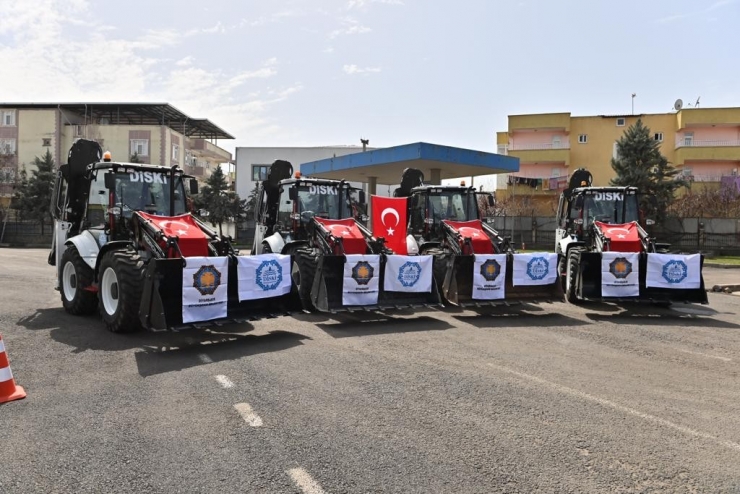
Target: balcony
{"points": [[705, 117], [550, 121], [694, 150], [202, 147], [541, 153]]}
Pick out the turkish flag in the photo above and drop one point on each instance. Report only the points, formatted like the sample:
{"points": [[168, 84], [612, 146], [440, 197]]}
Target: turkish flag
{"points": [[389, 221], [622, 238]]}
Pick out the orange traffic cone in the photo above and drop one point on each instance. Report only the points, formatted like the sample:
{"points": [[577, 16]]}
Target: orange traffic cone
{"points": [[8, 390]]}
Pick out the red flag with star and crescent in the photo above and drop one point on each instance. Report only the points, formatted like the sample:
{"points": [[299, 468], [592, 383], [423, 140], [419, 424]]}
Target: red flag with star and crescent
{"points": [[389, 221]]}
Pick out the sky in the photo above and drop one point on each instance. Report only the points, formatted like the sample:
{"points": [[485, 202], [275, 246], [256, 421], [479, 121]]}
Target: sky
{"points": [[315, 73]]}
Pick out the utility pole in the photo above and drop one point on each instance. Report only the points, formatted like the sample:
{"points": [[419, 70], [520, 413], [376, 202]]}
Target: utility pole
{"points": [[633, 102]]}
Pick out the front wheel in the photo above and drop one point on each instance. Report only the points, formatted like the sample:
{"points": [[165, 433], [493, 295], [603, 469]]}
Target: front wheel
{"points": [[76, 278], [572, 278], [119, 292], [303, 273]]}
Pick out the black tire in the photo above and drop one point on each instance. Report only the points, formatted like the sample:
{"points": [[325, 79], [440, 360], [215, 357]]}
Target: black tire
{"points": [[306, 262], [119, 306], [570, 288], [75, 299]]}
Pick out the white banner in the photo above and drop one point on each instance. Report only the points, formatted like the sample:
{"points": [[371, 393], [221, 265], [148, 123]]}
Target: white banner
{"points": [[361, 280], [263, 276], [489, 276], [539, 268], [205, 282], [674, 271], [620, 274], [408, 274]]}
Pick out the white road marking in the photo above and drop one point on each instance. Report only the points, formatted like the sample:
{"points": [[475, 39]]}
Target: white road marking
{"points": [[304, 481], [205, 358], [610, 404], [248, 414], [723, 359], [224, 381]]}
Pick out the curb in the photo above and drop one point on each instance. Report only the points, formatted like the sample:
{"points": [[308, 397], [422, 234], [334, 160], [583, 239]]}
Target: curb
{"points": [[721, 266]]}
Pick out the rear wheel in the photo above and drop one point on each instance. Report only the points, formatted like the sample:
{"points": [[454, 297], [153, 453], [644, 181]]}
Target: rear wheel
{"points": [[120, 286], [303, 272], [572, 280], [76, 276]]}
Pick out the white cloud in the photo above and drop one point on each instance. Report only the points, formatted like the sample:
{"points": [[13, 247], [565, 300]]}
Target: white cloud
{"points": [[354, 69], [105, 66], [358, 4], [716, 5], [351, 26]]}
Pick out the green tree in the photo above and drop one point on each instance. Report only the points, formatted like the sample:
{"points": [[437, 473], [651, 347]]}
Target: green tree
{"points": [[640, 164], [218, 201], [250, 204], [33, 195]]}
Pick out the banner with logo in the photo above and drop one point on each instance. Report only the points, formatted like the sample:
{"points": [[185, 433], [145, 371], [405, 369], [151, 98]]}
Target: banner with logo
{"points": [[489, 276], [674, 271], [539, 268], [263, 276], [620, 274], [389, 221], [205, 282], [408, 274], [361, 280]]}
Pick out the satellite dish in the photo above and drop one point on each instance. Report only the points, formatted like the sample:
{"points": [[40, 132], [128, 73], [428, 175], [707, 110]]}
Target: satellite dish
{"points": [[678, 105]]}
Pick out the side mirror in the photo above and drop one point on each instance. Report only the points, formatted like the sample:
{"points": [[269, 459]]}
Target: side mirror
{"points": [[193, 186], [362, 197], [293, 194], [490, 200], [110, 181]]}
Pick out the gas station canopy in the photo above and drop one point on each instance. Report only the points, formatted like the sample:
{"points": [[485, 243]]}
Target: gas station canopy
{"points": [[385, 166]]}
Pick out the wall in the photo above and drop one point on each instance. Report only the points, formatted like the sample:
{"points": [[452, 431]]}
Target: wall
{"points": [[33, 127], [603, 132], [116, 140], [248, 156]]}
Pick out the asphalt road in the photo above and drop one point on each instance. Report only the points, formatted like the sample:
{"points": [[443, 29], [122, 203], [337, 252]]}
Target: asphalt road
{"points": [[554, 398]]}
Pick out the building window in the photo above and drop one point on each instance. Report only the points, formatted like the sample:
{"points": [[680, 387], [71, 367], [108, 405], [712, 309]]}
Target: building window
{"points": [[7, 175], [582, 139], [7, 146], [175, 152], [46, 141], [140, 147], [615, 151], [658, 136], [259, 172], [7, 118], [502, 149], [621, 122], [688, 139]]}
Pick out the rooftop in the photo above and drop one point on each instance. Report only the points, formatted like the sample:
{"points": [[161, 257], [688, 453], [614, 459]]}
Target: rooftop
{"points": [[135, 114]]}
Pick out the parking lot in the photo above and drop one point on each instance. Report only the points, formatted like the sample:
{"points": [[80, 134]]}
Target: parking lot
{"points": [[540, 398]]}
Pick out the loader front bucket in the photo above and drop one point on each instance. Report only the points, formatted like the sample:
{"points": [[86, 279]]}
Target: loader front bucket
{"points": [[327, 290], [161, 300], [588, 286], [456, 286]]}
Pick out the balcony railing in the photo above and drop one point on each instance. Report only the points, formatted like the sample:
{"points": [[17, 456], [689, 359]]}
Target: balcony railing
{"points": [[683, 142], [539, 146], [705, 178]]}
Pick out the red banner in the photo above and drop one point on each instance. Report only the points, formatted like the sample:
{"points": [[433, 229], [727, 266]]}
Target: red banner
{"points": [[622, 237], [389, 221]]}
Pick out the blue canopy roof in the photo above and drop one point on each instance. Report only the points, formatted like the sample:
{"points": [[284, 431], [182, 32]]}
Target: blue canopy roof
{"points": [[387, 164]]}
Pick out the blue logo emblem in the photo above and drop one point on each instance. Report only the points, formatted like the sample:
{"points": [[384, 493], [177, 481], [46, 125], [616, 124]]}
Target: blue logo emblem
{"points": [[362, 273], [537, 268], [675, 271], [620, 267], [490, 270], [409, 274], [269, 275], [207, 279]]}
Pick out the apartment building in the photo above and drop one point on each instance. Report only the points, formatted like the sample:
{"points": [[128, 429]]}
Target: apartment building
{"points": [[704, 143], [156, 133]]}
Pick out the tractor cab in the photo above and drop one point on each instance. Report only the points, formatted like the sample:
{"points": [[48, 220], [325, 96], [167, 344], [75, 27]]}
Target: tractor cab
{"points": [[287, 203]]}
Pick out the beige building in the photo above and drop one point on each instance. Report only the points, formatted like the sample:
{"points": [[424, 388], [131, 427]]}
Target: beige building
{"points": [[156, 133]]}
